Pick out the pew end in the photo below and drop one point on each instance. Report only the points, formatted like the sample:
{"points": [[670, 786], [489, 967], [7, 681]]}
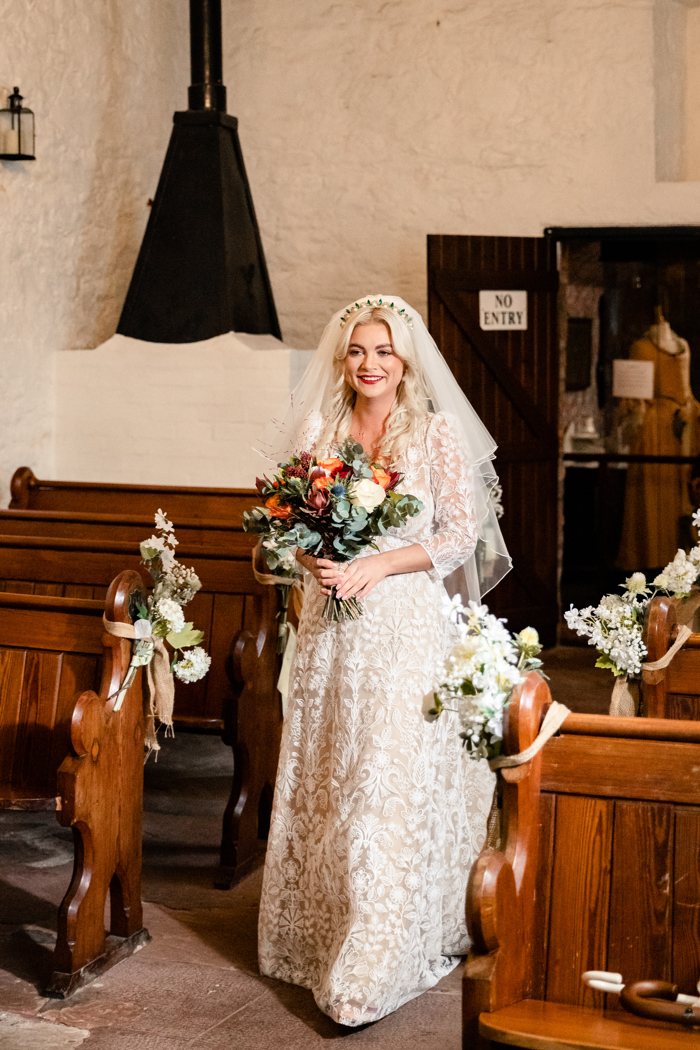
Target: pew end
{"points": [[674, 691], [597, 870], [64, 747]]}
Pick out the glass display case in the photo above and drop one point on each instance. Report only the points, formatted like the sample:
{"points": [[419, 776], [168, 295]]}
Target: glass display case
{"points": [[629, 332]]}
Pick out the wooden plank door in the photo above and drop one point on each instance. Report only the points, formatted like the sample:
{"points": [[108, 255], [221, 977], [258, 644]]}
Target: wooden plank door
{"points": [[512, 380]]}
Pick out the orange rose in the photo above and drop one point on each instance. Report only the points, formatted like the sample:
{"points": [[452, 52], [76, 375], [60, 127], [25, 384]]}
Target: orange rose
{"points": [[322, 483], [381, 477], [277, 509], [331, 465]]}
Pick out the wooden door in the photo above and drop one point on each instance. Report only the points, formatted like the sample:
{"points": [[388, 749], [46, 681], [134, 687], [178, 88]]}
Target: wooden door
{"points": [[512, 380]]}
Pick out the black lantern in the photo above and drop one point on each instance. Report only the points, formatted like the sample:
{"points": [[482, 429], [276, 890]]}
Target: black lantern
{"points": [[16, 130]]}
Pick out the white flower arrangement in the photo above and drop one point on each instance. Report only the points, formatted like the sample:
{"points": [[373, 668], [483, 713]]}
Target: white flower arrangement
{"points": [[481, 673], [175, 586], [616, 625]]}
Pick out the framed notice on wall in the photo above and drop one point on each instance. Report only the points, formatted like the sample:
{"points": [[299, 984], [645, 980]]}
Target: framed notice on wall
{"points": [[503, 310], [633, 379]]}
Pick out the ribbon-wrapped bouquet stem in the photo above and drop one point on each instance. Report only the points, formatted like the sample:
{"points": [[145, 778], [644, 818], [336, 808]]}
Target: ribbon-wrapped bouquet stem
{"points": [[330, 508]]}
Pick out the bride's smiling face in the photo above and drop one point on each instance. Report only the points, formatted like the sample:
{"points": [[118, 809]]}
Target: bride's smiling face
{"points": [[372, 367]]}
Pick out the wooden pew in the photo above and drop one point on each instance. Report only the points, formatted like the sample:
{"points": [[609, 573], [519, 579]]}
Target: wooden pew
{"points": [[132, 528], [597, 870], [31, 493], [673, 692], [63, 747], [238, 696]]}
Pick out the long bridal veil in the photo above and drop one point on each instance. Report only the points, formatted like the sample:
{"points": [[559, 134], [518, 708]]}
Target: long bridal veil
{"points": [[491, 561]]}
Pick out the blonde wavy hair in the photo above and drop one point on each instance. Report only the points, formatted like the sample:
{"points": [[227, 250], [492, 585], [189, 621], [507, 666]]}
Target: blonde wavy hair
{"points": [[412, 401]]}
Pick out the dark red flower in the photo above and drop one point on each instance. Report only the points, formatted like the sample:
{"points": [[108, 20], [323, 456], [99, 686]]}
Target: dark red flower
{"points": [[317, 500], [261, 484], [395, 478], [305, 459], [317, 472]]}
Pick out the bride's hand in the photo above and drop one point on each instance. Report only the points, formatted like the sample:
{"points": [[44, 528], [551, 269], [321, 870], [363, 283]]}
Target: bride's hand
{"points": [[362, 575], [325, 571]]}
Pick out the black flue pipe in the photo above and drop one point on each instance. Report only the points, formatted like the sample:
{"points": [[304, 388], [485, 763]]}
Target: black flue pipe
{"points": [[207, 90]]}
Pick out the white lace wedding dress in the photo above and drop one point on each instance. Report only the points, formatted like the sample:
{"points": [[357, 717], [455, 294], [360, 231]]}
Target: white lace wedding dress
{"points": [[378, 813]]}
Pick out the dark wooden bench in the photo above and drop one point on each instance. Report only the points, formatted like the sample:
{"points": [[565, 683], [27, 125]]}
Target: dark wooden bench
{"points": [[597, 870], [31, 493], [674, 691], [132, 528], [63, 747], [238, 696]]}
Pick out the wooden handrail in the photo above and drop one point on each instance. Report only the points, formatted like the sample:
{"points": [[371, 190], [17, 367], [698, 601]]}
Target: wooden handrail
{"points": [[106, 486], [632, 728], [49, 603], [124, 547], [88, 518]]}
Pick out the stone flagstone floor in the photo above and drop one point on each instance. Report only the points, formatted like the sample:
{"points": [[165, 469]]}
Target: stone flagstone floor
{"points": [[197, 983]]}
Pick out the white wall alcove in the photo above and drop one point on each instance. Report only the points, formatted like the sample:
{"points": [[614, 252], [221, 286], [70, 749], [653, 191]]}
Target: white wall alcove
{"points": [[176, 414]]}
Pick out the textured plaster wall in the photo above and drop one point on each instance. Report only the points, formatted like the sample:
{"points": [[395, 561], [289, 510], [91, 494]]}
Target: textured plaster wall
{"points": [[364, 126], [368, 125], [189, 421], [103, 77]]}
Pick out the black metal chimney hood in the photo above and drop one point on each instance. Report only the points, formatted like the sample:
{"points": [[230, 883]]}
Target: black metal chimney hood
{"points": [[201, 269]]}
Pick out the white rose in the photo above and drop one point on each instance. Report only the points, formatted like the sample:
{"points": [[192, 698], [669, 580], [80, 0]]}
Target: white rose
{"points": [[366, 493]]}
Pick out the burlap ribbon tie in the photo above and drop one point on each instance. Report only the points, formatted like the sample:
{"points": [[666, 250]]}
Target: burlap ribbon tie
{"points": [[161, 685], [268, 579], [624, 702], [651, 671], [553, 722]]}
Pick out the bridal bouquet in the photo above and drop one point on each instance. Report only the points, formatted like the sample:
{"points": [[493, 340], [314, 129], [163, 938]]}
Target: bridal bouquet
{"points": [[481, 673], [331, 508]]}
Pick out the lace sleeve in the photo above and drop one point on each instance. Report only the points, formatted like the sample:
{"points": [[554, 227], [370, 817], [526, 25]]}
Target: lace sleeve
{"points": [[455, 526]]}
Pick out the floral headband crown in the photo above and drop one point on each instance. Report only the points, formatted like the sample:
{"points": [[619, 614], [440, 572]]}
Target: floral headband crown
{"points": [[354, 307]]}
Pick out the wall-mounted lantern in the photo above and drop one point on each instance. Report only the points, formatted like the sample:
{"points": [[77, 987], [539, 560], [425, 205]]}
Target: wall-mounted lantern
{"points": [[16, 130]]}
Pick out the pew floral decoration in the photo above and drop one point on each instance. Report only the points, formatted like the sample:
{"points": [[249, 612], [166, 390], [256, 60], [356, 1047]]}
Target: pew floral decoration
{"points": [[616, 625], [480, 674], [175, 586], [157, 620]]}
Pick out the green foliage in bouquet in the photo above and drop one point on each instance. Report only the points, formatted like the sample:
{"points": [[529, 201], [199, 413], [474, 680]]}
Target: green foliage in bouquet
{"points": [[332, 508]]}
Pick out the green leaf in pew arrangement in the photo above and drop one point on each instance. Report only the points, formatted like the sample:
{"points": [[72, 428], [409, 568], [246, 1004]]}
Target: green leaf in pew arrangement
{"points": [[606, 663], [143, 612], [173, 662], [186, 637], [148, 553]]}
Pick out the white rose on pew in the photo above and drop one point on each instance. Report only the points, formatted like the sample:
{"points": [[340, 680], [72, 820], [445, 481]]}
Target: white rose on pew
{"points": [[193, 666], [170, 613]]}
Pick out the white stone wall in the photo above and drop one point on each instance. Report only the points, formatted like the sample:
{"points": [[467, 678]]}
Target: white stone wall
{"points": [[103, 78], [147, 413], [364, 127]]}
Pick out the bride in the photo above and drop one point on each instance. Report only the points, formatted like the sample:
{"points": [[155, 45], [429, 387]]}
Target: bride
{"points": [[378, 811]]}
